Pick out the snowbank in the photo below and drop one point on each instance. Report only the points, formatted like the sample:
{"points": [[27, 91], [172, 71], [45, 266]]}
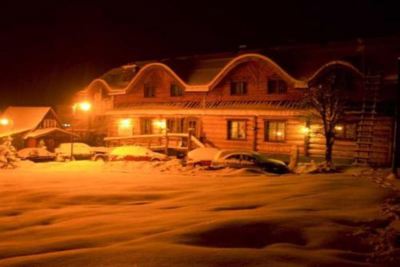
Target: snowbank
{"points": [[160, 214], [202, 154], [38, 152]]}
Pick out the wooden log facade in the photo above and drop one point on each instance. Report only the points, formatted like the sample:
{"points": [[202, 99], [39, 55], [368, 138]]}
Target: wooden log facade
{"points": [[242, 102]]}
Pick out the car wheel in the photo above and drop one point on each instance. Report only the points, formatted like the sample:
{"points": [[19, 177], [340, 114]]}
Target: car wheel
{"points": [[99, 159]]}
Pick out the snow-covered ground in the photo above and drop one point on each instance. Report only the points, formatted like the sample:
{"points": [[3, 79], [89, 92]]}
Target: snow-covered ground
{"points": [[158, 214]]}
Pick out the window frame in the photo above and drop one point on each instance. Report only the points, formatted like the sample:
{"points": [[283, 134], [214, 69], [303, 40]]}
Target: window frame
{"points": [[49, 123], [233, 87], [148, 87], [267, 126], [278, 90], [175, 90], [229, 129], [345, 126]]}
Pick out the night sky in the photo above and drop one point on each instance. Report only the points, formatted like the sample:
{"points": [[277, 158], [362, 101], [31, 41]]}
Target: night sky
{"points": [[50, 49]]}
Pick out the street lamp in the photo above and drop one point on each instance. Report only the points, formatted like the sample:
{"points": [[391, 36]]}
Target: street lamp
{"points": [[84, 106], [4, 122]]}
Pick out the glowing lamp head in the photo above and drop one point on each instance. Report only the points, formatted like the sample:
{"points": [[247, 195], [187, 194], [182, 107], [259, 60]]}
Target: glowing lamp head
{"points": [[4, 121], [160, 124], [83, 106], [279, 133], [125, 123]]}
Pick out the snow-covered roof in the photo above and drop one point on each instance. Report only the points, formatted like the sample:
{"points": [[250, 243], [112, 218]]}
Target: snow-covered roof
{"points": [[4, 133], [23, 119], [298, 64], [44, 131]]}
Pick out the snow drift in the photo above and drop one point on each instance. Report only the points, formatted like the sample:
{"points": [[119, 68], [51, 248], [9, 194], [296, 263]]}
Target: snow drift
{"points": [[155, 214]]}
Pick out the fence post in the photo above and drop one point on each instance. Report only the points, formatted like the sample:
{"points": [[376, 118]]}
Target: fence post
{"points": [[190, 134], [166, 141]]}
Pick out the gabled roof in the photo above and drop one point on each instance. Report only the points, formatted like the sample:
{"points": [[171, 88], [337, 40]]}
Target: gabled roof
{"points": [[297, 64], [45, 131], [25, 119]]}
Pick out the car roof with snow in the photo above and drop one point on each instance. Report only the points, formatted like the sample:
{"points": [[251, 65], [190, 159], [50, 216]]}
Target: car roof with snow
{"points": [[129, 150], [227, 152]]}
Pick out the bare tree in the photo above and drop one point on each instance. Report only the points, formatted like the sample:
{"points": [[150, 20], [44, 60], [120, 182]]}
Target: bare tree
{"points": [[328, 98]]}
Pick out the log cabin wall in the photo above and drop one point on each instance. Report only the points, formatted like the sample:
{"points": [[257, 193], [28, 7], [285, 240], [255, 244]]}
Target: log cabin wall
{"points": [[161, 80], [382, 141], [346, 149], [214, 128], [215, 131]]}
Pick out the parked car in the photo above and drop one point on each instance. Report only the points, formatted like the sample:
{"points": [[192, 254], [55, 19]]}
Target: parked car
{"points": [[135, 153], [201, 156], [36, 154], [248, 159], [79, 150]]}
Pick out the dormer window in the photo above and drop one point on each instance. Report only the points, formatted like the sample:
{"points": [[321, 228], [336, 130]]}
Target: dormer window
{"points": [[176, 90], [276, 86], [49, 123], [149, 90], [238, 88]]}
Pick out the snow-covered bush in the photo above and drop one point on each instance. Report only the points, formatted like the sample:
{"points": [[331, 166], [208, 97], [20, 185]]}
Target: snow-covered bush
{"points": [[8, 154]]}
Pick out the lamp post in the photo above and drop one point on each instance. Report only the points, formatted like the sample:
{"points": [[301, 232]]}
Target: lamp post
{"points": [[396, 132], [81, 106]]}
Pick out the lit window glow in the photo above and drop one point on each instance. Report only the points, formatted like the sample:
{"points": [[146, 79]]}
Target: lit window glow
{"points": [[305, 130], [160, 124], [339, 128], [125, 123]]}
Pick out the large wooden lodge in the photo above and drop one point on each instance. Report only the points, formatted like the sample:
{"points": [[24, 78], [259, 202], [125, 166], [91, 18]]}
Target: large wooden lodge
{"points": [[255, 99]]}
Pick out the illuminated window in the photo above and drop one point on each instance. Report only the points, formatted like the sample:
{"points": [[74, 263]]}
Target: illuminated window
{"points": [[238, 88], [236, 129], [274, 131], [149, 90], [176, 125], [346, 131], [176, 90], [125, 127], [276, 86]]}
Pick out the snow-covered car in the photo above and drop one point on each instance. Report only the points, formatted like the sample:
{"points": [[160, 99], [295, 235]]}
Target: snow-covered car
{"points": [[36, 154], [201, 156], [135, 153], [248, 159], [79, 150]]}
